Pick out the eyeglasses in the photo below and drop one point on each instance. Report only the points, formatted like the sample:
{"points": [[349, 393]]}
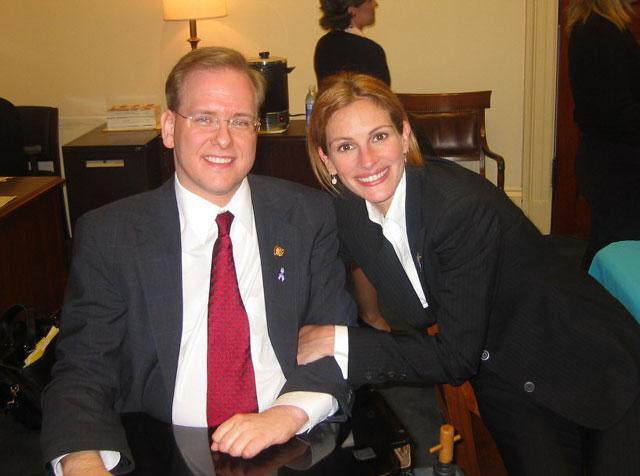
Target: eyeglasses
{"points": [[209, 122]]}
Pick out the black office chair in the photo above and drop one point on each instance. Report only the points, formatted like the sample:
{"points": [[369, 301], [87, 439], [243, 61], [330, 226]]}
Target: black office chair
{"points": [[40, 138], [12, 161]]}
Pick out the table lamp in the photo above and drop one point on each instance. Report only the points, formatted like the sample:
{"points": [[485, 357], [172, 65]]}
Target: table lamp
{"points": [[193, 10]]}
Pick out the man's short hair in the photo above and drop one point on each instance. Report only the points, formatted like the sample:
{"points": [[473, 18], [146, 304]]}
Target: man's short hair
{"points": [[211, 58]]}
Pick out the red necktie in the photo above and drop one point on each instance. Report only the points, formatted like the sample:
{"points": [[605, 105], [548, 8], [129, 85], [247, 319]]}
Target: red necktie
{"points": [[231, 384]]}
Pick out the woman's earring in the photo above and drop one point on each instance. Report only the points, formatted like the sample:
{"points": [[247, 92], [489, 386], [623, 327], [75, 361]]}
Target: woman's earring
{"points": [[405, 157], [334, 180]]}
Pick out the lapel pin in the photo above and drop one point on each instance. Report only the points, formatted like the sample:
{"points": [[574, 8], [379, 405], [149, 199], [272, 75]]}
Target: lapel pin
{"points": [[419, 259], [278, 251], [281, 275]]}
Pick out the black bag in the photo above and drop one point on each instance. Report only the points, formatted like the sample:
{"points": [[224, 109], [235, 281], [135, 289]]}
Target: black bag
{"points": [[21, 386]]}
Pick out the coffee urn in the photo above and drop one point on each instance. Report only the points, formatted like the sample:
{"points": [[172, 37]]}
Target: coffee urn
{"points": [[274, 113]]}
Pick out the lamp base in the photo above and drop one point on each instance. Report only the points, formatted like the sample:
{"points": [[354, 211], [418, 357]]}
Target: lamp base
{"points": [[193, 31]]}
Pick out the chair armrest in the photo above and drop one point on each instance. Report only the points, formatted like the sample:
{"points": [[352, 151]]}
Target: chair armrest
{"points": [[499, 163]]}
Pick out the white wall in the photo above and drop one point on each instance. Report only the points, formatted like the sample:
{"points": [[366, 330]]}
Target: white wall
{"points": [[80, 55]]}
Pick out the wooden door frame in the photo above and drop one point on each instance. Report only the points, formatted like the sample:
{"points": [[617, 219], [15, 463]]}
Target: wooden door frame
{"points": [[539, 125]]}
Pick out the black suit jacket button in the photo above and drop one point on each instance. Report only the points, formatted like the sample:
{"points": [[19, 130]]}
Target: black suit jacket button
{"points": [[485, 355], [368, 375], [382, 377], [392, 375], [529, 387]]}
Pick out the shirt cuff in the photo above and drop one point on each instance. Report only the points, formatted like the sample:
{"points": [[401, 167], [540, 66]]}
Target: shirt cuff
{"points": [[341, 349], [110, 459], [318, 406]]}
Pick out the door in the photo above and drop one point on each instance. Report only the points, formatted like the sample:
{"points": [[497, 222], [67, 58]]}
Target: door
{"points": [[570, 214]]}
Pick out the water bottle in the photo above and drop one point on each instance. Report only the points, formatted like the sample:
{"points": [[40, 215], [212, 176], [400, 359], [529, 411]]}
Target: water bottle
{"points": [[308, 102]]}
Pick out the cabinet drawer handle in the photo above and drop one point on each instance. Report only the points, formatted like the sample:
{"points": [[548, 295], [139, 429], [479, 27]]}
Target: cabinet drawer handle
{"points": [[97, 164]]}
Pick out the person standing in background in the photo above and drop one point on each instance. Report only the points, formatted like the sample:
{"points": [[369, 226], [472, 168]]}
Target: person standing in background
{"points": [[604, 70], [345, 48]]}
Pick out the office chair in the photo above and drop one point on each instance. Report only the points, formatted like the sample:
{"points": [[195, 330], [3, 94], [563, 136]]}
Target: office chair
{"points": [[12, 161], [40, 138]]}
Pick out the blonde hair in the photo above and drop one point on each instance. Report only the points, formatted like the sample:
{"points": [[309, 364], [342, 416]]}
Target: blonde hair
{"points": [[211, 58], [618, 12], [339, 91]]}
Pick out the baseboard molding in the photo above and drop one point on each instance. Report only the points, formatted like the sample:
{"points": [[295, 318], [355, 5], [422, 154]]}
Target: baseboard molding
{"points": [[515, 194]]}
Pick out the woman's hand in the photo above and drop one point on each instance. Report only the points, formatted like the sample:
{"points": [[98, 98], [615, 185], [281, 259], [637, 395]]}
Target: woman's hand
{"points": [[376, 321], [315, 342], [367, 299]]}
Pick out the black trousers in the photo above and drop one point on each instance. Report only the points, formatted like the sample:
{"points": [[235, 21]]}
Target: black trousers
{"points": [[608, 176], [534, 441]]}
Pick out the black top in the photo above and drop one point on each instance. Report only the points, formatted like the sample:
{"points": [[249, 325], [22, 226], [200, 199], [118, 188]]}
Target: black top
{"points": [[341, 51], [604, 69]]}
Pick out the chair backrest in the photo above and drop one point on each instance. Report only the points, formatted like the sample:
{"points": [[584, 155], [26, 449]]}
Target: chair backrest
{"points": [[455, 126], [40, 135], [12, 162]]}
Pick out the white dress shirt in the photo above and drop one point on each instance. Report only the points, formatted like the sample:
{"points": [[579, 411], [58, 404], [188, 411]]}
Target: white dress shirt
{"points": [[198, 231], [394, 228]]}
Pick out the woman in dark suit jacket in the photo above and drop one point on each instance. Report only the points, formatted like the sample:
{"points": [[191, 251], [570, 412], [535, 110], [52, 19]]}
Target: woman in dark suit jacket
{"points": [[553, 358]]}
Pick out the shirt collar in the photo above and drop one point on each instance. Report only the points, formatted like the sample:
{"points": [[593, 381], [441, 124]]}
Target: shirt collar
{"points": [[396, 211], [199, 215]]}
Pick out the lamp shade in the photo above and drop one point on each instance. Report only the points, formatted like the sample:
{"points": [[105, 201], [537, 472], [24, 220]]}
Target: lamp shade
{"points": [[194, 9]]}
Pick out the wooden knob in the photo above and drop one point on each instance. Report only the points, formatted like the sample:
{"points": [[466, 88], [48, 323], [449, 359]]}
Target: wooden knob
{"points": [[445, 447]]}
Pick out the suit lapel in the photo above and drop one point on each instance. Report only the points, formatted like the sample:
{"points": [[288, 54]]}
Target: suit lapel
{"points": [[375, 254], [423, 199], [160, 269], [278, 242], [416, 226]]}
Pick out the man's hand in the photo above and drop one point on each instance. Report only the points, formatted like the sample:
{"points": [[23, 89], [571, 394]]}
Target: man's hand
{"points": [[84, 463], [315, 342], [247, 434]]}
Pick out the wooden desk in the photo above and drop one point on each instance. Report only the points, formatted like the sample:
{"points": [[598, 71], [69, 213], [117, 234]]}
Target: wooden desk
{"points": [[285, 155], [102, 167], [32, 231]]}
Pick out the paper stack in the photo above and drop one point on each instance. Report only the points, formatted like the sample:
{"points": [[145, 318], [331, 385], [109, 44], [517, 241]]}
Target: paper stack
{"points": [[124, 117]]}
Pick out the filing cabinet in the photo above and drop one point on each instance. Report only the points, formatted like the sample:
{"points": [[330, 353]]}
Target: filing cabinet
{"points": [[101, 167]]}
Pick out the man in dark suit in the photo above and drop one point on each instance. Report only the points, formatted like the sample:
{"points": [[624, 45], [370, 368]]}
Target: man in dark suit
{"points": [[136, 333]]}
